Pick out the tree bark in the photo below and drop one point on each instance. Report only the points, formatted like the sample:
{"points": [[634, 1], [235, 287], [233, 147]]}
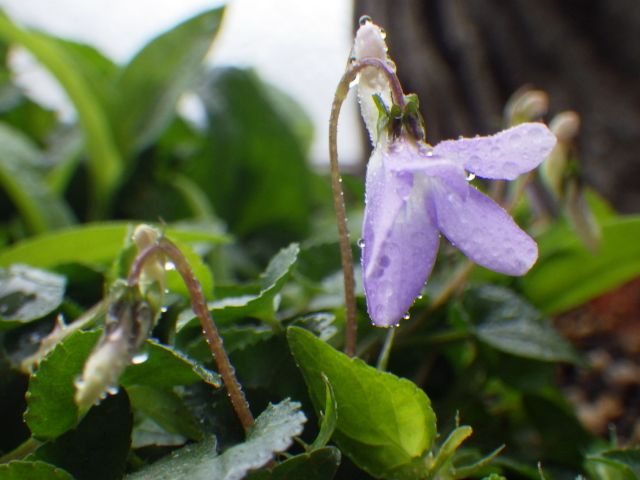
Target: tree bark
{"points": [[464, 58]]}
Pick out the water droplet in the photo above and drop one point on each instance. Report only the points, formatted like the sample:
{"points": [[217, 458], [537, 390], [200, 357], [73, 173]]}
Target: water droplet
{"points": [[429, 153], [79, 383], [406, 316], [364, 19], [164, 309], [420, 297], [169, 266], [470, 176], [113, 389], [140, 358], [361, 243]]}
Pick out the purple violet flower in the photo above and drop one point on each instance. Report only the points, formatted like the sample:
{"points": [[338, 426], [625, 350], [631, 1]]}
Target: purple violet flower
{"points": [[415, 192]]}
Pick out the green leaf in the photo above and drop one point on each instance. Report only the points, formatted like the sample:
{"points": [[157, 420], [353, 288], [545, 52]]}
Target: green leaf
{"points": [[152, 82], [105, 164], [329, 417], [508, 323], [253, 145], [51, 409], [449, 448], [165, 408], [40, 208], [319, 464], [260, 305], [23, 470], [385, 423], [98, 448], [273, 432], [28, 294], [568, 274], [166, 367], [92, 244], [625, 462]]}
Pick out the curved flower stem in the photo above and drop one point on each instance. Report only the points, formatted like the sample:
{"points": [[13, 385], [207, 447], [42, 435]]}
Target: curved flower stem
{"points": [[336, 185], [211, 334]]}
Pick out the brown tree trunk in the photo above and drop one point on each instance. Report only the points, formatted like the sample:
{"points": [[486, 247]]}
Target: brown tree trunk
{"points": [[464, 58]]}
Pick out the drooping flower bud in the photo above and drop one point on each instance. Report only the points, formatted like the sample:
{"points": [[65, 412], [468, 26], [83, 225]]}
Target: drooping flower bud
{"points": [[128, 322], [370, 43]]}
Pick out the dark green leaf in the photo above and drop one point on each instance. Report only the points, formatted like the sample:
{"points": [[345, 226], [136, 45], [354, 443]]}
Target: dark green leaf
{"points": [[253, 146], [166, 367], [23, 470], [385, 423], [51, 410], [625, 462], [508, 323], [152, 82], [272, 433], [319, 464], [98, 448], [51, 407], [40, 208], [166, 409], [568, 274], [259, 305], [28, 294]]}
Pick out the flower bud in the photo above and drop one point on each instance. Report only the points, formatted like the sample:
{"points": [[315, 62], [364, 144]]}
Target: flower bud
{"points": [[369, 43], [526, 105]]}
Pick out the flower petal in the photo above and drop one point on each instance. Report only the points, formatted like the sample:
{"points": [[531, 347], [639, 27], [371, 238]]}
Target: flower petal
{"points": [[502, 156], [483, 231], [400, 243], [406, 158]]}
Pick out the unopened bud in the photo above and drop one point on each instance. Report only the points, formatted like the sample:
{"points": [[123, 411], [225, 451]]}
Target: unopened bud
{"points": [[369, 43], [127, 324], [526, 105], [152, 278], [565, 125]]}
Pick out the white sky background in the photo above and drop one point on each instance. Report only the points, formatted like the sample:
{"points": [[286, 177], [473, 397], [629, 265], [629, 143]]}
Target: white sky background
{"points": [[301, 46]]}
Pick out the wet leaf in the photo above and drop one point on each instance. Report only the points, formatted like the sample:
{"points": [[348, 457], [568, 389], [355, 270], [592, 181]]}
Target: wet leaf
{"points": [[385, 423], [23, 470], [28, 294], [319, 464], [508, 323], [273, 432]]}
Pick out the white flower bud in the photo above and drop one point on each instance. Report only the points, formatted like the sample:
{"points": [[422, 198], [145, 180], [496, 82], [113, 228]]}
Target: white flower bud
{"points": [[369, 43]]}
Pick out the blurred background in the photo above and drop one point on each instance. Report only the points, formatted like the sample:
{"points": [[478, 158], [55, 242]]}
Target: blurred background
{"points": [[464, 58]]}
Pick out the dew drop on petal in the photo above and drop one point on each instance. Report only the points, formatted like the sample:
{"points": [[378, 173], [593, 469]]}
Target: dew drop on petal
{"points": [[406, 316], [364, 19], [113, 389], [471, 176], [361, 242]]}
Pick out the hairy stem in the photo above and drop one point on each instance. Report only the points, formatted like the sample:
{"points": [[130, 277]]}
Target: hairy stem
{"points": [[342, 90], [209, 329]]}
